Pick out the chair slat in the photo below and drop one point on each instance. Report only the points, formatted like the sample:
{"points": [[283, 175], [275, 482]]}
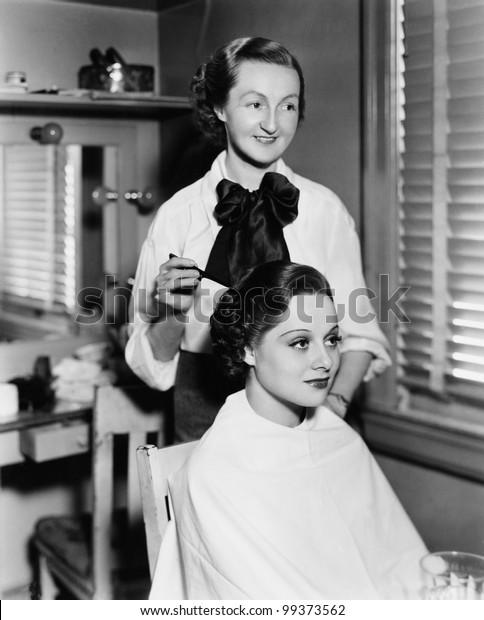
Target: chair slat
{"points": [[155, 465]]}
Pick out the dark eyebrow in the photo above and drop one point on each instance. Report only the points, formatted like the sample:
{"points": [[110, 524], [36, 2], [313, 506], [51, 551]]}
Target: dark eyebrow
{"points": [[258, 94], [254, 92], [334, 329], [291, 331]]}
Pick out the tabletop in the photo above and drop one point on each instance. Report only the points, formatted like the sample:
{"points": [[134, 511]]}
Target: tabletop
{"points": [[62, 411]]}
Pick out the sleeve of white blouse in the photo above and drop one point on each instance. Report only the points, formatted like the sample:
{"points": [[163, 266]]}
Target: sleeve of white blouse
{"points": [[357, 317], [139, 355]]}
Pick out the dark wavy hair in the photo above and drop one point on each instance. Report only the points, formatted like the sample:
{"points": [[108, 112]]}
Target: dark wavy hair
{"points": [[246, 312], [211, 84]]}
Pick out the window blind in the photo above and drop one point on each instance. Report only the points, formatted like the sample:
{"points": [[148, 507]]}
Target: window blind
{"points": [[441, 350], [38, 228]]}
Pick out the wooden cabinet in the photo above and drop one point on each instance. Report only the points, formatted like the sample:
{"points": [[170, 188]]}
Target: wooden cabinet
{"points": [[112, 143]]}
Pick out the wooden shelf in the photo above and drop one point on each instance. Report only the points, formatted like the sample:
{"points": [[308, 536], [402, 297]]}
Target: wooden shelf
{"points": [[126, 107]]}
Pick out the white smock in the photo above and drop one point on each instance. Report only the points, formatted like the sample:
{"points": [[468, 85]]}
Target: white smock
{"points": [[264, 511]]}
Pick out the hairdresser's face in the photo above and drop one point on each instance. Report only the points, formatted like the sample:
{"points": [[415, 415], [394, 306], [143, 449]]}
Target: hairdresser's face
{"points": [[261, 113], [296, 362]]}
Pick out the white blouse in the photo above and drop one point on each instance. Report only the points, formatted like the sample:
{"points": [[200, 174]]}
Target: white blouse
{"points": [[323, 236]]}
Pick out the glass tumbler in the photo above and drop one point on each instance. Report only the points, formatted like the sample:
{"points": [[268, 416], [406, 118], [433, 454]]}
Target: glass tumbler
{"points": [[453, 575]]}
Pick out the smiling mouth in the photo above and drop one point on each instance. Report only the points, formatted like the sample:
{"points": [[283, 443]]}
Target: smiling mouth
{"points": [[319, 384], [265, 140]]}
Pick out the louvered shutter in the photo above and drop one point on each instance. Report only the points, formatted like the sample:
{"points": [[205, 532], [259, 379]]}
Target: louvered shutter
{"points": [[38, 228], [442, 207]]}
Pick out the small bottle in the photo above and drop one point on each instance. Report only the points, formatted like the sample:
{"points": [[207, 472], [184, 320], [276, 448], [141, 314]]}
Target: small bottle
{"points": [[42, 368], [116, 77]]}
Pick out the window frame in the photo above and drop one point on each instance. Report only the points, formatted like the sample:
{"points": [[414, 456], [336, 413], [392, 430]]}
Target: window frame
{"points": [[424, 431]]}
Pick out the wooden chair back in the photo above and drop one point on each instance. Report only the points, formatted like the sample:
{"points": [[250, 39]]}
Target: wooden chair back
{"points": [[155, 465], [137, 414], [133, 413]]}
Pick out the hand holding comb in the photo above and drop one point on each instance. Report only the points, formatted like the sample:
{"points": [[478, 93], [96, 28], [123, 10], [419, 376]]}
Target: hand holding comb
{"points": [[203, 274]]}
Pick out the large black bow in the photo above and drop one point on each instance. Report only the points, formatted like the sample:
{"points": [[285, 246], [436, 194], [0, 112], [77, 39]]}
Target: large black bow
{"points": [[252, 224]]}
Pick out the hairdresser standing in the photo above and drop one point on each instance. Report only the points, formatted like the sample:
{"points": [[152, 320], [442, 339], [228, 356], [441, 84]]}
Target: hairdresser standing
{"points": [[248, 209]]}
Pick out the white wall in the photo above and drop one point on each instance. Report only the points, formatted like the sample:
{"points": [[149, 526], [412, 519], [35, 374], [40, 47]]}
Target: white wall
{"points": [[51, 40]]}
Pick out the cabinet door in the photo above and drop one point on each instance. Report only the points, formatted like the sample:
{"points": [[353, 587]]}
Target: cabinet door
{"points": [[57, 245]]}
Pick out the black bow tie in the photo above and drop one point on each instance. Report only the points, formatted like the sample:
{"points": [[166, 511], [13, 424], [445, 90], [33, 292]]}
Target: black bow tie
{"points": [[276, 196], [252, 224]]}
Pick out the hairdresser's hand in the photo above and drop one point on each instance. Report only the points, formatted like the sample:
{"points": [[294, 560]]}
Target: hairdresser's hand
{"points": [[337, 403], [176, 283]]}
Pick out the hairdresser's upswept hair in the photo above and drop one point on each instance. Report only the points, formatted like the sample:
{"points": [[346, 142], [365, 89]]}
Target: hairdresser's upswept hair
{"points": [[211, 84], [247, 311]]}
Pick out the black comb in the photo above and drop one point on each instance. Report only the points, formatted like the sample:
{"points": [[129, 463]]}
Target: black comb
{"points": [[203, 274]]}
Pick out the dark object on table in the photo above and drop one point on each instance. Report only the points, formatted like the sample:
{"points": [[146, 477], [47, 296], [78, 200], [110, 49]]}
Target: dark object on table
{"points": [[111, 73], [35, 392], [53, 90]]}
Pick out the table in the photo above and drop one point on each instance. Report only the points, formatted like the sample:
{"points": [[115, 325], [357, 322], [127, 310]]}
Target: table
{"points": [[39, 436], [45, 435]]}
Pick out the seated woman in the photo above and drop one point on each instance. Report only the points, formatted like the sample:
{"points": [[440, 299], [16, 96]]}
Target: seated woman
{"points": [[281, 499]]}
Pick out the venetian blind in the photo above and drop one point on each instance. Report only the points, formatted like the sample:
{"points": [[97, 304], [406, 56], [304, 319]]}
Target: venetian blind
{"points": [[442, 198], [37, 269]]}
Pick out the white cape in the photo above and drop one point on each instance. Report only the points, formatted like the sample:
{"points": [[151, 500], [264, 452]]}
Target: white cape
{"points": [[264, 511]]}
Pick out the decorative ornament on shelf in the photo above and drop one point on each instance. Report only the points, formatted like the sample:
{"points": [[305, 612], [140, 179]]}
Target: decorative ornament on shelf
{"points": [[109, 72]]}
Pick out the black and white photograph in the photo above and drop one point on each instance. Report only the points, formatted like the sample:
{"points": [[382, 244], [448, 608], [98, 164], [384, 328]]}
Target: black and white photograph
{"points": [[242, 307]]}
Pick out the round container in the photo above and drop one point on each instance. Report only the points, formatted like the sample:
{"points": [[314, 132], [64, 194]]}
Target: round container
{"points": [[453, 575], [16, 78], [9, 402]]}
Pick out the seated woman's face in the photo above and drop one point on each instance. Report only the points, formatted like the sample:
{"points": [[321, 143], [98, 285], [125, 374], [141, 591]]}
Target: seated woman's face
{"points": [[297, 360]]}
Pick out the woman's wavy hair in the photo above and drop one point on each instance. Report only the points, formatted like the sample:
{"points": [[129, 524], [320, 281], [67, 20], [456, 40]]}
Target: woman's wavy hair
{"points": [[211, 84], [246, 312]]}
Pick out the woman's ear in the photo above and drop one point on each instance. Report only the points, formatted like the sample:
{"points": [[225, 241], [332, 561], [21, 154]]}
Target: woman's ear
{"points": [[249, 358], [220, 114]]}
